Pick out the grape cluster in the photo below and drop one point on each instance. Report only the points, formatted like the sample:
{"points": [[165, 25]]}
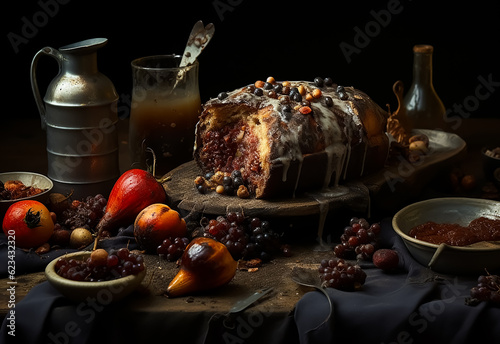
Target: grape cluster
{"points": [[85, 213], [245, 238], [487, 289], [339, 274], [359, 240], [172, 248], [101, 266]]}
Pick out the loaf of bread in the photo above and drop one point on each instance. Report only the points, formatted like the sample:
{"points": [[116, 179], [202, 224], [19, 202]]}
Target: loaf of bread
{"points": [[290, 137]]}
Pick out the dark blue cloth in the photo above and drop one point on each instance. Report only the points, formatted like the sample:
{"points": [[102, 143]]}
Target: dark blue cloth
{"points": [[413, 305]]}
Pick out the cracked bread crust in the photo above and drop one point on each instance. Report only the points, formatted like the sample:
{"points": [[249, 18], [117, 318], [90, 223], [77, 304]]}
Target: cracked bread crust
{"points": [[283, 146]]}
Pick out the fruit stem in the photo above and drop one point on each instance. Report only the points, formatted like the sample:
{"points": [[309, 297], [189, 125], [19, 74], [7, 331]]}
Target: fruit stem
{"points": [[153, 168], [32, 219]]}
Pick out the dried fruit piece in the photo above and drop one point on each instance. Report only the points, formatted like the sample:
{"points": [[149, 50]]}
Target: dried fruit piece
{"points": [[305, 110]]}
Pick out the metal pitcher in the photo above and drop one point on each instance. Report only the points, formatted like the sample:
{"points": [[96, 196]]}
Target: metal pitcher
{"points": [[79, 114]]}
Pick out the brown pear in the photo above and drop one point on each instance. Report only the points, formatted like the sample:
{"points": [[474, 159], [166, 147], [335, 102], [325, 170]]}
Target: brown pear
{"points": [[205, 264]]}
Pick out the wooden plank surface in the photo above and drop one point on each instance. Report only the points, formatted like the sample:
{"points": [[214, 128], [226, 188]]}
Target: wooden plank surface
{"points": [[150, 297]]}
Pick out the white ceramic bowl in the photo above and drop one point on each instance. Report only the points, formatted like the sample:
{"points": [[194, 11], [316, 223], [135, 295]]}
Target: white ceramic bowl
{"points": [[459, 260], [103, 292], [28, 179]]}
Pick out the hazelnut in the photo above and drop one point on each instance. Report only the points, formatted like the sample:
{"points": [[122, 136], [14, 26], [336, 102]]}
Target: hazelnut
{"points": [[271, 80], [316, 93], [259, 84], [219, 189]]}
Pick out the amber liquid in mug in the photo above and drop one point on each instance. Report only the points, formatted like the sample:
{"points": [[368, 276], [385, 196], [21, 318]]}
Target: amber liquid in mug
{"points": [[165, 126]]}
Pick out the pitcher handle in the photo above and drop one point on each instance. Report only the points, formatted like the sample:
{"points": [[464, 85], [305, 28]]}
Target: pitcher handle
{"points": [[34, 85]]}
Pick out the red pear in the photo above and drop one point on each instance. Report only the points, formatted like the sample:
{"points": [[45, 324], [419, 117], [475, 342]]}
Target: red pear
{"points": [[133, 191]]}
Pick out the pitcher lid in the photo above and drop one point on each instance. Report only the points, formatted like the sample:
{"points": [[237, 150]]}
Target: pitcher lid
{"points": [[88, 44]]}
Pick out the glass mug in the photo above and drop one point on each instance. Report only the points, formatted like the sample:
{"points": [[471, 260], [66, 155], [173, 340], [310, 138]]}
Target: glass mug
{"points": [[164, 112]]}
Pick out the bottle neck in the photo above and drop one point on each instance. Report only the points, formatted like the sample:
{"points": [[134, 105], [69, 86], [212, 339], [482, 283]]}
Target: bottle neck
{"points": [[422, 69], [80, 64]]}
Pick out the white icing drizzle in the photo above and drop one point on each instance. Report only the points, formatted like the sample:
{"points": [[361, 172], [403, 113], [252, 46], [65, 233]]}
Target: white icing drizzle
{"points": [[289, 149], [364, 159]]}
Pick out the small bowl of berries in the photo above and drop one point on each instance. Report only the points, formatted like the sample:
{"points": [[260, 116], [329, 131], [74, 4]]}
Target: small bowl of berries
{"points": [[98, 275]]}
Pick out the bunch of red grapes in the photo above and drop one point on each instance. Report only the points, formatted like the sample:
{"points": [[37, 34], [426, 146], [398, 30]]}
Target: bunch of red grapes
{"points": [[245, 238], [487, 289], [172, 249], [359, 240], [339, 274]]}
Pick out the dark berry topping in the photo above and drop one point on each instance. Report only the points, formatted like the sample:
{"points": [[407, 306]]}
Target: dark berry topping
{"points": [[271, 94], [286, 112], [278, 88], [296, 96], [222, 95], [328, 81], [258, 92], [319, 82], [236, 174], [237, 181], [329, 101], [268, 86]]}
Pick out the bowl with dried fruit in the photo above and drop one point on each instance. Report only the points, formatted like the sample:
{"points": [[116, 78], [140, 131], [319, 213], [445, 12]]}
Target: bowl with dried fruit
{"points": [[16, 186], [98, 275], [454, 235]]}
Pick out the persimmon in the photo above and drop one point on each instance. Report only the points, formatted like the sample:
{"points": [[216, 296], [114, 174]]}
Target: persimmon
{"points": [[28, 223], [156, 223]]}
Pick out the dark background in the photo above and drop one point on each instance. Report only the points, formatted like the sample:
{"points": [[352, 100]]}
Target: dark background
{"points": [[256, 39]]}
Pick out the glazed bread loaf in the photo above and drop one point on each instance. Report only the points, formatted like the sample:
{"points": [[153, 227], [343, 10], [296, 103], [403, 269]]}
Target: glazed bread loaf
{"points": [[290, 137]]}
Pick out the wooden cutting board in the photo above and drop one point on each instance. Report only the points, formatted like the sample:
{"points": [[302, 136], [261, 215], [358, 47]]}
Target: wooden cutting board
{"points": [[181, 192]]}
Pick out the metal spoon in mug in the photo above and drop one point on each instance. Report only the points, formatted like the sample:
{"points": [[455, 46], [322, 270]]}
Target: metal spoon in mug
{"points": [[198, 40]]}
